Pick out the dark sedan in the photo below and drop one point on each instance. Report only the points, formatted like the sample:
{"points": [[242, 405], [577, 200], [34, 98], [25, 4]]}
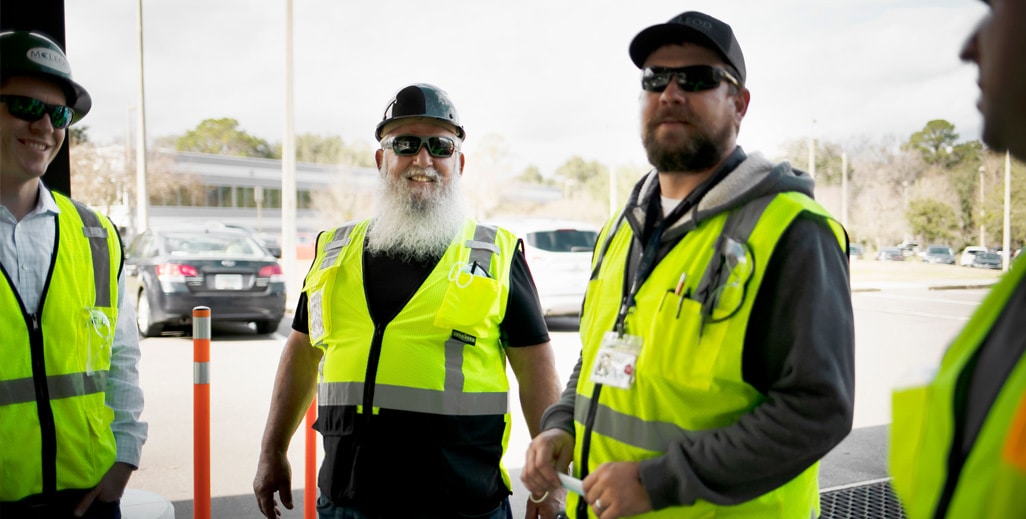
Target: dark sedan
{"points": [[939, 254], [890, 254], [987, 260], [171, 271]]}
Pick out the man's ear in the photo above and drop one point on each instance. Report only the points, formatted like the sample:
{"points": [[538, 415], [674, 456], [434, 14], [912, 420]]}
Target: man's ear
{"points": [[379, 157], [463, 161], [741, 100]]}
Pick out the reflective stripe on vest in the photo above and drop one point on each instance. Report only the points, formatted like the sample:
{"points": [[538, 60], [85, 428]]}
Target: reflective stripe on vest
{"points": [[451, 403], [56, 364], [23, 390], [702, 371], [923, 428]]}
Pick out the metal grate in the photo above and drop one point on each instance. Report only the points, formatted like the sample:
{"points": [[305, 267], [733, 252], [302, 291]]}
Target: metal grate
{"points": [[871, 501]]}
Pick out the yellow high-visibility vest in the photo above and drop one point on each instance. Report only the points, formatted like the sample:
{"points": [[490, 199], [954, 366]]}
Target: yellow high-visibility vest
{"points": [[441, 354], [992, 482], [56, 431], [688, 374]]}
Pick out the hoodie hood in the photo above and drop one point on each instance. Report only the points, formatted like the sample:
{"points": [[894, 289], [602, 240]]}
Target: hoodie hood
{"points": [[755, 177]]}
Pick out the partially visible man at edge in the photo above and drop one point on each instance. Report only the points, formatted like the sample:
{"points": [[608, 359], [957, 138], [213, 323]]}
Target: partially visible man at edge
{"points": [[70, 401], [412, 313], [722, 295], [958, 443]]}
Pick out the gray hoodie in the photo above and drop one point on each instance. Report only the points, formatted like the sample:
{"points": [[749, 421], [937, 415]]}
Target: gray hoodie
{"points": [[798, 351]]}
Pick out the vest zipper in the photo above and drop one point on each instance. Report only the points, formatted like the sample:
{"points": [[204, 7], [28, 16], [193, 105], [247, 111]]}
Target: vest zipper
{"points": [[371, 375], [48, 429]]}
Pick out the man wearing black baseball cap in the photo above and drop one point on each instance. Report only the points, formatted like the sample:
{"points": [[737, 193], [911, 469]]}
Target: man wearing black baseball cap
{"points": [[721, 293]]}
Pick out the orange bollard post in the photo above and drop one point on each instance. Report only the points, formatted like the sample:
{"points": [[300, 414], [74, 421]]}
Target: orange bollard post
{"points": [[201, 412], [310, 490]]}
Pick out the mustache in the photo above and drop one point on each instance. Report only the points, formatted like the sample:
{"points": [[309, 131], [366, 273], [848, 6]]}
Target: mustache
{"points": [[673, 114]]}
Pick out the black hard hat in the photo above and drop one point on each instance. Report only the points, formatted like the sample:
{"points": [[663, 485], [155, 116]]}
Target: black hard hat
{"points": [[420, 101], [25, 53]]}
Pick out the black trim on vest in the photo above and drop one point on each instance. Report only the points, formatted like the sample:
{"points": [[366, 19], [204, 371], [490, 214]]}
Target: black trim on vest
{"points": [[47, 424]]}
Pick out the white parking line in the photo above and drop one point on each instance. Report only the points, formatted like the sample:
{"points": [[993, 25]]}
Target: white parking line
{"points": [[884, 295]]}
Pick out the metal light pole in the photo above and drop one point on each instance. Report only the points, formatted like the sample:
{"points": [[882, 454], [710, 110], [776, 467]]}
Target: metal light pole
{"points": [[983, 228], [288, 174], [844, 189], [142, 199], [1006, 254]]}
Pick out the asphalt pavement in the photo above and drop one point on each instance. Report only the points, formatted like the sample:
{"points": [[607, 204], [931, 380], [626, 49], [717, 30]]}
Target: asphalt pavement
{"points": [[861, 457]]}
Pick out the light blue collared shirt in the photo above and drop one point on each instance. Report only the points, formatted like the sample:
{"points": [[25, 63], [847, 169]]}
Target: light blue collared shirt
{"points": [[25, 251]]}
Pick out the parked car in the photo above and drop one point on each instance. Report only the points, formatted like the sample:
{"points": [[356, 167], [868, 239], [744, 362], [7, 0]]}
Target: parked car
{"points": [[890, 254], [171, 271], [939, 254], [987, 260], [269, 240], [908, 248], [559, 255], [968, 253], [855, 251]]}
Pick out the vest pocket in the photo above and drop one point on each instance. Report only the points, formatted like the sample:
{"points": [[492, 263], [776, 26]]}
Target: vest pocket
{"points": [[673, 349], [467, 303]]}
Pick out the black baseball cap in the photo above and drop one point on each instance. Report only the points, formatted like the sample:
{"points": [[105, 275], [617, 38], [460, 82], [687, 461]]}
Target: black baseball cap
{"points": [[694, 27]]}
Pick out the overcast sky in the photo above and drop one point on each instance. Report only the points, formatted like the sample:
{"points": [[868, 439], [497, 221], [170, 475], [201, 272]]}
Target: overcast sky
{"points": [[552, 77]]}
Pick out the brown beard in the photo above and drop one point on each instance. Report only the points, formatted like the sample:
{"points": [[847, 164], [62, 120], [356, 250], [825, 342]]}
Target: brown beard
{"points": [[699, 153]]}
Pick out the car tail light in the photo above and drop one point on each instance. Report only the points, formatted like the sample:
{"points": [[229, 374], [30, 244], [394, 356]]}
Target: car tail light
{"points": [[176, 272], [272, 271]]}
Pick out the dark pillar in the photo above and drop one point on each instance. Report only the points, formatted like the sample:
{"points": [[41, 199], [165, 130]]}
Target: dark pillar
{"points": [[47, 17]]}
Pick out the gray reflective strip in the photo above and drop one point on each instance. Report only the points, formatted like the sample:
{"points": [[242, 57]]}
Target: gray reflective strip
{"points": [[97, 235], [413, 399], [200, 372], [201, 328], [454, 365], [22, 390], [483, 246], [653, 436], [333, 248]]}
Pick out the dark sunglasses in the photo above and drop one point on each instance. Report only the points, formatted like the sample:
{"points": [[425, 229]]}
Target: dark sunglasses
{"points": [[695, 78], [31, 110], [406, 145]]}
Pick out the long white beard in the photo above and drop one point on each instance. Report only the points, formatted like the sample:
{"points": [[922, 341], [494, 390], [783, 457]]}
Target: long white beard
{"points": [[413, 228]]}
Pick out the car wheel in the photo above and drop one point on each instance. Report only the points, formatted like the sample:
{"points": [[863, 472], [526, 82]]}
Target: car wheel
{"points": [[266, 327], [144, 317]]}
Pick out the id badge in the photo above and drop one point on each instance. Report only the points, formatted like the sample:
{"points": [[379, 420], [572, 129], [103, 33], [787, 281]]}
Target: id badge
{"points": [[617, 360]]}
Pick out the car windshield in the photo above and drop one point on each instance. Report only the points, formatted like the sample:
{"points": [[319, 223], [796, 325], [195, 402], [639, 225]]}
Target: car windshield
{"points": [[988, 256], [209, 244], [563, 240], [938, 250]]}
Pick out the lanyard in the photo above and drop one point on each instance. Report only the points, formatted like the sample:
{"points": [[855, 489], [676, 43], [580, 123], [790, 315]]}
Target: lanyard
{"points": [[645, 267]]}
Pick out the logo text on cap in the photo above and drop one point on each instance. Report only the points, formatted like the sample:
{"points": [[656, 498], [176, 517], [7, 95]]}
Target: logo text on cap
{"points": [[698, 23], [48, 58]]}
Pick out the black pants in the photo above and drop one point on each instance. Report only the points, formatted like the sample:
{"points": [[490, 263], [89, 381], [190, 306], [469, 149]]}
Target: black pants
{"points": [[58, 506]]}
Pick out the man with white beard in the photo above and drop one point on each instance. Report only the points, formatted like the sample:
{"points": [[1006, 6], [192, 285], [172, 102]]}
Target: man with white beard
{"points": [[404, 327]]}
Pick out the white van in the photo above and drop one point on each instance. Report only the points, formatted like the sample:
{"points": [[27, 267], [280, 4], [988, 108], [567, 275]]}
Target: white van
{"points": [[968, 253]]}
